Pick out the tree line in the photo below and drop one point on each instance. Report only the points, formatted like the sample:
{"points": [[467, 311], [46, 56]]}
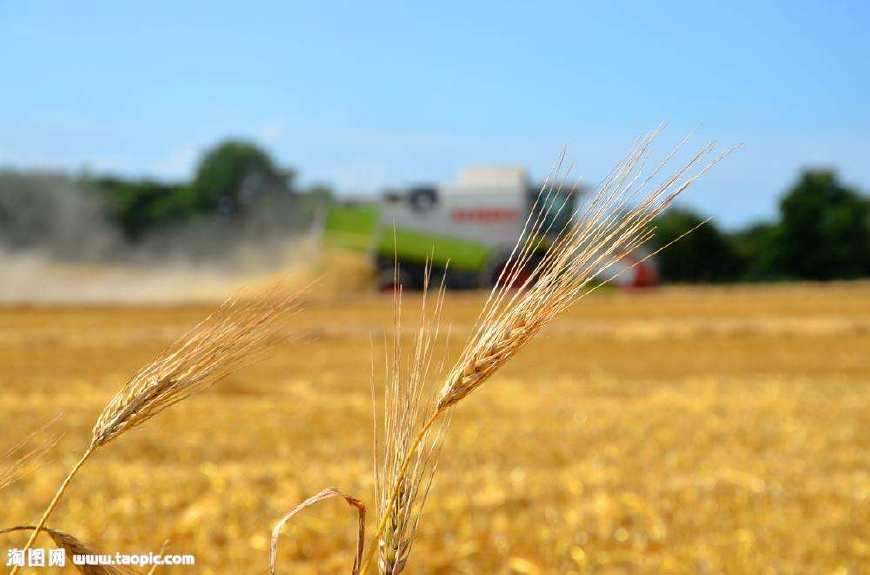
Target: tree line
{"points": [[229, 180], [822, 232], [237, 194]]}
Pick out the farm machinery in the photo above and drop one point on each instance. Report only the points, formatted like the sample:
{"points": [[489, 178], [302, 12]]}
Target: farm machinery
{"points": [[470, 226]]}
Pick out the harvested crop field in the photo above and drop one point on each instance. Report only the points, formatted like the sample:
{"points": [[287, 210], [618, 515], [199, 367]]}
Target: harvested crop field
{"points": [[680, 430]]}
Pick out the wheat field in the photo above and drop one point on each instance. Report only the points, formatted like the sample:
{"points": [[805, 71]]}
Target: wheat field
{"points": [[680, 430]]}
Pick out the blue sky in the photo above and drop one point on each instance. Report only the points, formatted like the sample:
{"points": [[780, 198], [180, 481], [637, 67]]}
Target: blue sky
{"points": [[364, 95]]}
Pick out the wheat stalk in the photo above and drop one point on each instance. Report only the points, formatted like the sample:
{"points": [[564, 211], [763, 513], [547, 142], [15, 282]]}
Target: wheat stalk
{"points": [[617, 220], [406, 407], [236, 334], [313, 500]]}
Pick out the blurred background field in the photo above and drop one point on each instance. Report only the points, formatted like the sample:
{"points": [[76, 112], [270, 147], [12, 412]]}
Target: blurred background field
{"points": [[683, 430]]}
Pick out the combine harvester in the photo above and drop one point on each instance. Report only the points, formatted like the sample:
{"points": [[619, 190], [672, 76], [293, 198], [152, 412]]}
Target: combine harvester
{"points": [[473, 224]]}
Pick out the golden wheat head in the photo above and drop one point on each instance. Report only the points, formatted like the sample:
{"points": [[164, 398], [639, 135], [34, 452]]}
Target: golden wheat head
{"points": [[233, 336], [617, 220], [407, 408], [241, 329], [559, 267]]}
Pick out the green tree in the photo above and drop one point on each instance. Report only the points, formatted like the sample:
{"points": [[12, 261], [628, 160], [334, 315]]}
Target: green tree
{"points": [[233, 174], [232, 177], [138, 206], [705, 255], [759, 247], [825, 229]]}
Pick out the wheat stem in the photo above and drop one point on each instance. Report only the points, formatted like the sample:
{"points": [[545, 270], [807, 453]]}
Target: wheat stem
{"points": [[396, 488], [55, 500]]}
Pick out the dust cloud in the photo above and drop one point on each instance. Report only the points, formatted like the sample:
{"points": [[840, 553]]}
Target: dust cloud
{"points": [[58, 246]]}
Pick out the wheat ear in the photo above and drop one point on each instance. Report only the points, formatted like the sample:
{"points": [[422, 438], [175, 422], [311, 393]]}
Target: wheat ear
{"points": [[241, 329], [407, 405], [617, 220]]}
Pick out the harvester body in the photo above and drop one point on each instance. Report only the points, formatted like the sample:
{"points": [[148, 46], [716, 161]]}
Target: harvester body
{"points": [[468, 227]]}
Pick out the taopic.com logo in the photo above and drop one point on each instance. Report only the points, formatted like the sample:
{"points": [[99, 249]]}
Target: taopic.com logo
{"points": [[58, 558]]}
